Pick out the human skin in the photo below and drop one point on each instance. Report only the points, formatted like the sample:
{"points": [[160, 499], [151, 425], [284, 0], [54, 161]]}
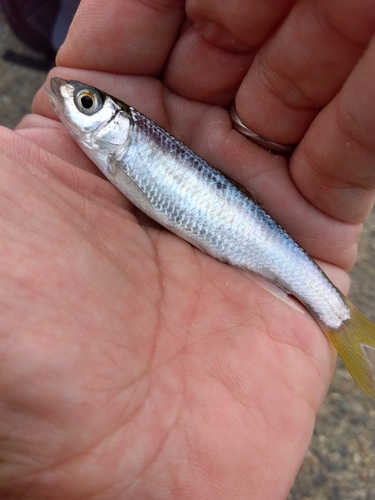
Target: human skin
{"points": [[133, 366]]}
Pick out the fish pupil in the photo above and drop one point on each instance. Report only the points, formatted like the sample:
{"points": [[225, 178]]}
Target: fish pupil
{"points": [[87, 101]]}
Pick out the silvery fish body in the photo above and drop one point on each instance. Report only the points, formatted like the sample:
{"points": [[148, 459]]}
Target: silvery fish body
{"points": [[181, 191], [188, 196]]}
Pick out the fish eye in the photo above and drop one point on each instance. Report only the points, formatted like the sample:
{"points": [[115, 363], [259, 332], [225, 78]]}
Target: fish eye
{"points": [[88, 101]]}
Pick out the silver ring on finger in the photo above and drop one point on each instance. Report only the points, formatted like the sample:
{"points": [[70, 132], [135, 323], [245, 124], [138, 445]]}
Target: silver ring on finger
{"points": [[273, 147]]}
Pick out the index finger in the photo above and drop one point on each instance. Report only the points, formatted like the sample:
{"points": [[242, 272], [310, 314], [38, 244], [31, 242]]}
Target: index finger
{"points": [[128, 37]]}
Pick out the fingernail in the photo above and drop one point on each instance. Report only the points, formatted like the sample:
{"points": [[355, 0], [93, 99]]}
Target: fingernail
{"points": [[217, 35]]}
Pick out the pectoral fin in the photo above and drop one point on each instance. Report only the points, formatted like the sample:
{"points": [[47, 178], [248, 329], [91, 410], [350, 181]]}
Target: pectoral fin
{"points": [[130, 189]]}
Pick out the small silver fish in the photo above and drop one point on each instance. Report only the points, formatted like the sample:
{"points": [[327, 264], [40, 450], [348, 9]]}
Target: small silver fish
{"points": [[181, 191]]}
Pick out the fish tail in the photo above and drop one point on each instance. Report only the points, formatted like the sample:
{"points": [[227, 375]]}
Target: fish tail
{"points": [[355, 344]]}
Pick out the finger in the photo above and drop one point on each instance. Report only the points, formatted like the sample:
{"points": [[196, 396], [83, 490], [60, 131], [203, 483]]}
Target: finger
{"points": [[213, 76], [214, 53], [303, 65], [334, 165], [132, 37]]}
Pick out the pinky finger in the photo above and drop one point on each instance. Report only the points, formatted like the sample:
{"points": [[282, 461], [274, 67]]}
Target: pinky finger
{"points": [[334, 165]]}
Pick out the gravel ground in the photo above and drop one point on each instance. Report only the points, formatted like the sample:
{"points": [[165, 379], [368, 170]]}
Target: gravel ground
{"points": [[340, 463]]}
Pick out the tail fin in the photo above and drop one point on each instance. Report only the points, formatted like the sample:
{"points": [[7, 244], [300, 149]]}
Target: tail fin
{"points": [[355, 343]]}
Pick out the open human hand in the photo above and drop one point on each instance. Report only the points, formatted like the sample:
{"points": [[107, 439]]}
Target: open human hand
{"points": [[133, 365]]}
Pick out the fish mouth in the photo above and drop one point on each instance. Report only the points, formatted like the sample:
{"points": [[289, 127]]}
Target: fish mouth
{"points": [[55, 94], [56, 84]]}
